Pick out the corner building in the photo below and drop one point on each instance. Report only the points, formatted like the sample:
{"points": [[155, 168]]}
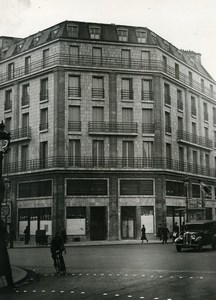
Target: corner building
{"points": [[106, 123]]}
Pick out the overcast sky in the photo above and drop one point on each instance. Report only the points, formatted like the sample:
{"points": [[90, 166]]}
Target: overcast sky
{"points": [[187, 24]]}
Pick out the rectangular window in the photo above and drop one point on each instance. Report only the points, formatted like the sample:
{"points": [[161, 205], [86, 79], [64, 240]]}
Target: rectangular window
{"points": [[97, 87], [25, 95], [10, 71], [122, 35], [195, 191], [128, 153], [87, 187], [168, 155], [136, 187], [145, 59], [35, 189], [146, 91], [24, 156], [44, 89], [202, 86], [74, 55], [98, 152], [180, 124], [74, 89], [127, 115], [74, 153], [174, 188], [27, 64], [147, 120], [46, 58], [193, 106], [97, 114], [168, 128], [211, 90], [43, 119], [125, 58], [141, 36], [74, 118], [127, 89], [73, 31], [180, 104], [8, 100], [177, 71], [207, 163], [164, 63], [205, 111], [148, 151], [167, 97], [95, 33], [194, 161], [181, 158], [97, 56], [25, 120], [190, 78], [43, 154], [76, 220], [8, 124]]}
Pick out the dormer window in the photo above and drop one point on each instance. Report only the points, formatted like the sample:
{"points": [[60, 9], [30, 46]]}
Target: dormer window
{"points": [[54, 32], [141, 36], [73, 31], [37, 39], [154, 38], [123, 35], [20, 46], [4, 52], [94, 33]]}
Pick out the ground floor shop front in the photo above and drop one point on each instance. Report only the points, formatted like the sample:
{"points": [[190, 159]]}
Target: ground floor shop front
{"points": [[106, 206]]}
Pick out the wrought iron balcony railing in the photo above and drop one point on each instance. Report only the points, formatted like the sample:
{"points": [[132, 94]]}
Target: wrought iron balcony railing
{"points": [[98, 93], [44, 94], [107, 163], [74, 92], [167, 99], [107, 62], [74, 126], [113, 127], [43, 126], [180, 104], [147, 96], [168, 129], [20, 133], [148, 128], [194, 139], [25, 100], [127, 94], [8, 105]]}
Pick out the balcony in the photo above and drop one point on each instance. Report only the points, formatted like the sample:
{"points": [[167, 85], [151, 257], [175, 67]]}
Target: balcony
{"points": [[44, 95], [43, 126], [20, 134], [89, 162], [147, 96], [74, 126], [74, 92], [148, 128], [108, 62], [113, 128], [25, 100], [189, 138], [127, 94]]}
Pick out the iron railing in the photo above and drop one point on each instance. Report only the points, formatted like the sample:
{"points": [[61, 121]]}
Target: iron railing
{"points": [[113, 127], [195, 139], [107, 62], [167, 99], [20, 133], [44, 94], [25, 100], [43, 126], [74, 92], [74, 126], [148, 128], [98, 93], [127, 94], [147, 96], [87, 162], [8, 105], [180, 104]]}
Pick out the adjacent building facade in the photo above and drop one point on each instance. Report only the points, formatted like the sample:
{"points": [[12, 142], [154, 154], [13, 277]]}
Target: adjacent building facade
{"points": [[111, 127]]}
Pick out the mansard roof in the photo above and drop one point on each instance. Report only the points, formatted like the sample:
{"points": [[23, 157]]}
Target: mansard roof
{"points": [[108, 33]]}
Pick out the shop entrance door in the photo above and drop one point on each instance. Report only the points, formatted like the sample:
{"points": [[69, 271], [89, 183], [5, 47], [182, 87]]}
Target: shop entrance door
{"points": [[128, 229], [128, 219], [97, 223]]}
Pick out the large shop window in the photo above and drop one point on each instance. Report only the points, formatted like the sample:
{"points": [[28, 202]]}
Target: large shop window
{"points": [[76, 220], [87, 187], [37, 218], [35, 189], [174, 188], [147, 218], [136, 187]]}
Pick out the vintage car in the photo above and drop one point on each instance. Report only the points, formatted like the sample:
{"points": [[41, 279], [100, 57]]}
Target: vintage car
{"points": [[196, 235]]}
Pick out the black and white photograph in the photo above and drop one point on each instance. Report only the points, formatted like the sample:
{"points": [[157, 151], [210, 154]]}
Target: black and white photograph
{"points": [[107, 149]]}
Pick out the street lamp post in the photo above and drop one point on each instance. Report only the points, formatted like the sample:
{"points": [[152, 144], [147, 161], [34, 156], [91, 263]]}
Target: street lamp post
{"points": [[4, 145], [186, 184]]}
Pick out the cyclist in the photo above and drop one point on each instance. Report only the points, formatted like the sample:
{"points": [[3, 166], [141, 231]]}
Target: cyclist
{"points": [[56, 248]]}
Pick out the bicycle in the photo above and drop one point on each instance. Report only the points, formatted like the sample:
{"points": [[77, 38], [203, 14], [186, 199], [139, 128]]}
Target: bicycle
{"points": [[59, 262]]}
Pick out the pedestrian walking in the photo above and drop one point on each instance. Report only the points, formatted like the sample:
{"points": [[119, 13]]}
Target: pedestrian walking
{"points": [[175, 231], [165, 232], [143, 234], [5, 267], [27, 235]]}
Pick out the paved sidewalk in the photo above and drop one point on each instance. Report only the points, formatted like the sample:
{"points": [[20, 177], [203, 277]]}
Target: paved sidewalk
{"points": [[18, 275]]}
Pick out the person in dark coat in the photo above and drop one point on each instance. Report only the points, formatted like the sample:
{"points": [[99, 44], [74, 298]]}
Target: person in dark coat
{"points": [[160, 231], [175, 231], [165, 232], [57, 244], [5, 267], [27, 235], [143, 234]]}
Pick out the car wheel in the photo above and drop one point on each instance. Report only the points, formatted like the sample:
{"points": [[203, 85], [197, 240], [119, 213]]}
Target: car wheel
{"points": [[178, 248]]}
